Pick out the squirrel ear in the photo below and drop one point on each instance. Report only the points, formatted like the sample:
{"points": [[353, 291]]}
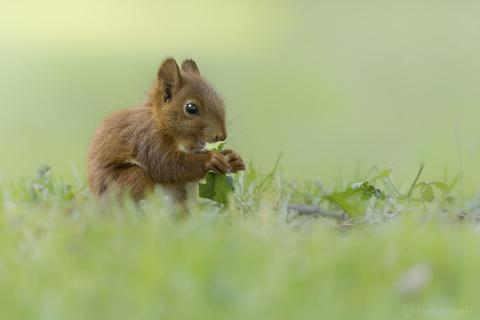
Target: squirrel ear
{"points": [[169, 78], [190, 66]]}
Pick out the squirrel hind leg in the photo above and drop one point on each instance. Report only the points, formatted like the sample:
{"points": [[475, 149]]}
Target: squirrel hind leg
{"points": [[135, 180], [177, 198]]}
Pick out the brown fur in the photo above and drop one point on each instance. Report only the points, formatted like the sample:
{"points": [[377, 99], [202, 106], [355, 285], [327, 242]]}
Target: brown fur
{"points": [[159, 142]]}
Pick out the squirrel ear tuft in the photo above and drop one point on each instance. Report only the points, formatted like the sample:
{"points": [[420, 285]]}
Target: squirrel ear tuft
{"points": [[190, 66], [169, 78]]}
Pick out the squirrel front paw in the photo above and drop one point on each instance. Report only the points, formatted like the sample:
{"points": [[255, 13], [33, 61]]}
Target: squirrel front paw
{"points": [[234, 160], [217, 163]]}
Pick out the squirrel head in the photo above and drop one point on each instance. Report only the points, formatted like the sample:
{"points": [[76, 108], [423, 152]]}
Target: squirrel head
{"points": [[186, 107]]}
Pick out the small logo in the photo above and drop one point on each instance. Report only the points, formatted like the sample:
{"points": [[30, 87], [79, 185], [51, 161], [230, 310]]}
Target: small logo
{"points": [[408, 310]]}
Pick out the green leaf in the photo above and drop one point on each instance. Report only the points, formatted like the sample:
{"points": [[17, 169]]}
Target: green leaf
{"points": [[379, 194], [382, 174], [342, 200], [420, 185], [427, 193], [366, 190], [218, 188], [353, 200], [441, 186]]}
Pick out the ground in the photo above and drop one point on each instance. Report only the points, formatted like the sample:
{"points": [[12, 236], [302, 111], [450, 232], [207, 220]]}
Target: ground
{"points": [[64, 255]]}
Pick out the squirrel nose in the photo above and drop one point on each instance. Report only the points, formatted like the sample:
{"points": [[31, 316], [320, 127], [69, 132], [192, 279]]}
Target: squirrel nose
{"points": [[221, 137]]}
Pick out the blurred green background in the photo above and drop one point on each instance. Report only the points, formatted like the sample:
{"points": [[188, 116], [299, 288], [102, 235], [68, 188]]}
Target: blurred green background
{"points": [[337, 86]]}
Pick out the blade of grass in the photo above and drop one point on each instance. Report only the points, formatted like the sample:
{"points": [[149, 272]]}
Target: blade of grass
{"points": [[412, 187]]}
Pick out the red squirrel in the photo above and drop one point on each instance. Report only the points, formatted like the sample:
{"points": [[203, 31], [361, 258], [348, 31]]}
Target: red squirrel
{"points": [[162, 141]]}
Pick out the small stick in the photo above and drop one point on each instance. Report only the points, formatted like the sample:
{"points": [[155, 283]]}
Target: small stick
{"points": [[315, 210]]}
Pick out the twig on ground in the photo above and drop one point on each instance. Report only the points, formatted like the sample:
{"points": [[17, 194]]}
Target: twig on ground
{"points": [[317, 211]]}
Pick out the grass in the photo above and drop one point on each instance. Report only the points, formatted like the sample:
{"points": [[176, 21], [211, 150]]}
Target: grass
{"points": [[397, 254]]}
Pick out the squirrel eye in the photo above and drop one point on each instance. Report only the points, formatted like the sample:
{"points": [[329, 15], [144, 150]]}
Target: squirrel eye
{"points": [[191, 108]]}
